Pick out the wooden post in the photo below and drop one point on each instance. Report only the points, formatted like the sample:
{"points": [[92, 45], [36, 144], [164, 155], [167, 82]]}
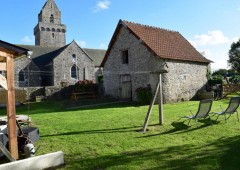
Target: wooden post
{"points": [[150, 108], [11, 110], [160, 101]]}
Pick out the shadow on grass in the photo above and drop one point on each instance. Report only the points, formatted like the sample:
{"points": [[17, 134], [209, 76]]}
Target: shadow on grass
{"points": [[58, 106], [182, 127], [116, 130], [220, 154]]}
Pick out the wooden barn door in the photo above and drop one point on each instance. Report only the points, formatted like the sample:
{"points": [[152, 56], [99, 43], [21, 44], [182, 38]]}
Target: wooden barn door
{"points": [[126, 87]]}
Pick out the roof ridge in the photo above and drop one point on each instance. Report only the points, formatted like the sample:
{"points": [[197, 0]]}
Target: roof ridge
{"points": [[149, 26]]}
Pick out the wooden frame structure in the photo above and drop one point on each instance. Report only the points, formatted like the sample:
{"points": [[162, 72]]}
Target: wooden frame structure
{"points": [[158, 92], [8, 52]]}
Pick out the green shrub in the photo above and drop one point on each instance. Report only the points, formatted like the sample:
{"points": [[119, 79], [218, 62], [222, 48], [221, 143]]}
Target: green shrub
{"points": [[235, 79], [144, 95]]}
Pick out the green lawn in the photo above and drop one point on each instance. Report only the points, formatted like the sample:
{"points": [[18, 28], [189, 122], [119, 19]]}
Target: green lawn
{"points": [[108, 137]]}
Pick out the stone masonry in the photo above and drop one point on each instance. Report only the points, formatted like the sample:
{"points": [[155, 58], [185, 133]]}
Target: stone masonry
{"points": [[182, 81], [49, 31]]}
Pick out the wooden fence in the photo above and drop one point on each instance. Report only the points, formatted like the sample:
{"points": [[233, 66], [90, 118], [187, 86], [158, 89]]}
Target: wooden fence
{"points": [[20, 96]]}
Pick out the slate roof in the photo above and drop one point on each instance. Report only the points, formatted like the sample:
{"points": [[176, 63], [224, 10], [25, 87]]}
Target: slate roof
{"points": [[44, 55], [164, 43], [96, 54]]}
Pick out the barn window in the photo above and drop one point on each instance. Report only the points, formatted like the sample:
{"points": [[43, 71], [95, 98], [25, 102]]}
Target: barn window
{"points": [[125, 57], [52, 19], [74, 72], [21, 76]]}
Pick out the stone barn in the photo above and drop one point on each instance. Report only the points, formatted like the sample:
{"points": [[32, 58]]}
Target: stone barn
{"points": [[137, 52]]}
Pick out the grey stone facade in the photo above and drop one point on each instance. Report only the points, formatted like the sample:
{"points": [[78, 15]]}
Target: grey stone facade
{"points": [[64, 62], [49, 31], [182, 81]]}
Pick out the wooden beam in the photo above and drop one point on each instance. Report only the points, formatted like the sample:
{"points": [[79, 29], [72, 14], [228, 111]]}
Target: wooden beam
{"points": [[150, 109], [3, 66], [11, 110], [6, 152], [160, 101], [3, 54]]}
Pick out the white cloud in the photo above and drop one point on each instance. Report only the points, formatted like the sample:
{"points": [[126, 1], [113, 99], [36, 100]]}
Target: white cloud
{"points": [[219, 57], [81, 43], [102, 5], [214, 37], [28, 39]]}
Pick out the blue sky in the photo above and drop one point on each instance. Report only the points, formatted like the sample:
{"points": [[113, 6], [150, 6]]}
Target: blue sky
{"points": [[210, 25]]}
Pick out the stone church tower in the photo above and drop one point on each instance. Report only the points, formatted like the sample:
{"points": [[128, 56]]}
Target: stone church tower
{"points": [[49, 32]]}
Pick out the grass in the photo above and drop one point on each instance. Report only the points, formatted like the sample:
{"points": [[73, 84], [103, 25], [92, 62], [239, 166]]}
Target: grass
{"points": [[108, 137]]}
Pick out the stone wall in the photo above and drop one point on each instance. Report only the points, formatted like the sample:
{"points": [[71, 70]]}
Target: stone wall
{"points": [[181, 83], [183, 80]]}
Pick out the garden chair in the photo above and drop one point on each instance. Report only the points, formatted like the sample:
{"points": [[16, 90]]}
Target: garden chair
{"points": [[231, 109], [203, 111]]}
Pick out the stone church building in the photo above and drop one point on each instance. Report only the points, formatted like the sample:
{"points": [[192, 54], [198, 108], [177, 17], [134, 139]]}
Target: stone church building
{"points": [[137, 53], [54, 62]]}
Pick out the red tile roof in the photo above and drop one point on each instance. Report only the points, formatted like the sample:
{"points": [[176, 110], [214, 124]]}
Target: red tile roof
{"points": [[164, 43]]}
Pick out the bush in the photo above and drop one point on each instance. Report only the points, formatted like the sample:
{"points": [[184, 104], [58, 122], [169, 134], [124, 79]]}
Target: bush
{"points": [[85, 86], [144, 95], [235, 79]]}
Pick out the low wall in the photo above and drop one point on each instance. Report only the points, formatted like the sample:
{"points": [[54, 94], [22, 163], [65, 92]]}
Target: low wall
{"points": [[50, 92]]}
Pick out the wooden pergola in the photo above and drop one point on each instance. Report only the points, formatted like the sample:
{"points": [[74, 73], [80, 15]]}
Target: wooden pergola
{"points": [[8, 52]]}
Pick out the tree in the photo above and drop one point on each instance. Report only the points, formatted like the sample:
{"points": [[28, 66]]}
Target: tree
{"points": [[234, 56]]}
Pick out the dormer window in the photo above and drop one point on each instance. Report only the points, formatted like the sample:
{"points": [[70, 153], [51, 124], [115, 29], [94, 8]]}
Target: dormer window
{"points": [[52, 19], [125, 57]]}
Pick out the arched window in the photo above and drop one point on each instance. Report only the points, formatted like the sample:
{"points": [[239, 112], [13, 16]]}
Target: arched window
{"points": [[48, 29], [58, 30], [42, 29], [53, 29], [52, 19], [21, 76], [74, 72]]}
